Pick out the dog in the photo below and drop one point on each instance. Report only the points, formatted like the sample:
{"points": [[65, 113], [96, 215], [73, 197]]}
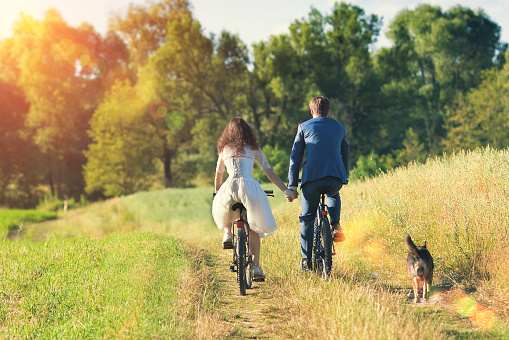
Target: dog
{"points": [[419, 265]]}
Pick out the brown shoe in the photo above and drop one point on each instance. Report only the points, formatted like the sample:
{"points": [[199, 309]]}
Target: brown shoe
{"points": [[338, 234]]}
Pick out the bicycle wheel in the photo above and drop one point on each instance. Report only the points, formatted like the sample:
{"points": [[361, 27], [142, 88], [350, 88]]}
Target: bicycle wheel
{"points": [[249, 264], [317, 247], [241, 261], [249, 271], [327, 247]]}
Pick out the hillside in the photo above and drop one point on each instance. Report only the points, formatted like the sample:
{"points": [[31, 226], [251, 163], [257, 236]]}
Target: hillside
{"points": [[457, 204]]}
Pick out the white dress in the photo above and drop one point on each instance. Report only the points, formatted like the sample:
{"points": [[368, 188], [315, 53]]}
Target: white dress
{"points": [[242, 187]]}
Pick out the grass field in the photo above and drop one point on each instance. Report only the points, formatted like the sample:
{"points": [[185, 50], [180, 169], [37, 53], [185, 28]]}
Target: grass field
{"points": [[126, 285], [458, 204], [17, 218]]}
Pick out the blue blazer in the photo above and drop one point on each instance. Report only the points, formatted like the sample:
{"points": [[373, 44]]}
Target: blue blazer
{"points": [[328, 153]]}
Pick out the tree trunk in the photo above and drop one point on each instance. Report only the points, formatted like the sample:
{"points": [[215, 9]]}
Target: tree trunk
{"points": [[167, 156]]}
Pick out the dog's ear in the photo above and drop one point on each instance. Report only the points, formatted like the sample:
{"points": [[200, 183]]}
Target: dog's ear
{"points": [[424, 246]]}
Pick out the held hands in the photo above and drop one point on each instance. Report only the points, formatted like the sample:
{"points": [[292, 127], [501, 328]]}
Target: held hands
{"points": [[291, 194]]}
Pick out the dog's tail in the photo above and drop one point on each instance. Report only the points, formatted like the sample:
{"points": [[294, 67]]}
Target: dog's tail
{"points": [[409, 244]]}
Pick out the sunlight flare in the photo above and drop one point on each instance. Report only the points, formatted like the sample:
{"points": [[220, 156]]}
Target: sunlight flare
{"points": [[175, 120]]}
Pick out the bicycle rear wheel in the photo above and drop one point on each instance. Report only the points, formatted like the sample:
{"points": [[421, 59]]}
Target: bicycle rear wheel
{"points": [[327, 246], [317, 247], [249, 263], [241, 261], [322, 247]]}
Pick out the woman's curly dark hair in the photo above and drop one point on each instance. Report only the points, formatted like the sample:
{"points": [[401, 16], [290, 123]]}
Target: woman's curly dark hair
{"points": [[238, 134]]}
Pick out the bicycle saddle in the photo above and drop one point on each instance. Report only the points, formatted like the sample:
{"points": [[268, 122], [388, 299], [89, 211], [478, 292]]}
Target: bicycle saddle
{"points": [[325, 190], [238, 206]]}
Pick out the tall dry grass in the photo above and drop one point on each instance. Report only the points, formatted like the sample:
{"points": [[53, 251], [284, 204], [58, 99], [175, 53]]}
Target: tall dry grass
{"points": [[458, 204]]}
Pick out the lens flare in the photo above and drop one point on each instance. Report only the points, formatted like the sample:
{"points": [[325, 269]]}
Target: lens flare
{"points": [[464, 306], [158, 110], [162, 111], [66, 47], [467, 307], [81, 53], [175, 120], [85, 60], [375, 250], [99, 67]]}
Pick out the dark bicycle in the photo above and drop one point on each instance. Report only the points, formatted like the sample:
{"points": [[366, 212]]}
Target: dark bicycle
{"points": [[242, 262], [323, 247]]}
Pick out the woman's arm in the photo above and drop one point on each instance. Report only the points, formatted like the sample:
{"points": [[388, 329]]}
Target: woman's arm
{"points": [[275, 179], [290, 195], [218, 181]]}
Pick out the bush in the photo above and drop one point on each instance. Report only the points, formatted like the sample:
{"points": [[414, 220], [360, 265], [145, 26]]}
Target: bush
{"points": [[53, 203], [371, 165], [279, 161]]}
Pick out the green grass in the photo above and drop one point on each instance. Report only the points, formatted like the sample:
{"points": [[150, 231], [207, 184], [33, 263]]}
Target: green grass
{"points": [[184, 213], [121, 286], [17, 218]]}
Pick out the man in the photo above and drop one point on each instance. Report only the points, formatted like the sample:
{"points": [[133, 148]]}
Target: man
{"points": [[327, 165]]}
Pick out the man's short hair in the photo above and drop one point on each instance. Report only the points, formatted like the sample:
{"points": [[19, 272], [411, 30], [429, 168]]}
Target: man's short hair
{"points": [[320, 106]]}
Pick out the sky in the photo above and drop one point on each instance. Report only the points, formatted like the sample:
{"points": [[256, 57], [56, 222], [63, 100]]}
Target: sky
{"points": [[253, 21]]}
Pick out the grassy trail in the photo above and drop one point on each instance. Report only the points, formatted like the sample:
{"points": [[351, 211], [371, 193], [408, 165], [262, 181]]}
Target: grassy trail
{"points": [[244, 317]]}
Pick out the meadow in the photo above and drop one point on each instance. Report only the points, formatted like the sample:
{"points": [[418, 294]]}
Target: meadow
{"points": [[14, 219], [150, 265], [112, 287]]}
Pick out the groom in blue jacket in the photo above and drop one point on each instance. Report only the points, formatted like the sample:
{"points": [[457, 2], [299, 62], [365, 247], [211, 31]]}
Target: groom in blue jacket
{"points": [[326, 165]]}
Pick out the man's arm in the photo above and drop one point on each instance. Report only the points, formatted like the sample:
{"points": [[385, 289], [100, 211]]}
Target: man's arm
{"points": [[345, 155], [296, 158]]}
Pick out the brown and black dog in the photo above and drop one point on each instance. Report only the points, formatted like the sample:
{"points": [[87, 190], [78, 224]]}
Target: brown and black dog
{"points": [[419, 265]]}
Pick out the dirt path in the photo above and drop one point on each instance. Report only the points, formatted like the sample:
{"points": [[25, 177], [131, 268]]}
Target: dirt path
{"points": [[254, 316]]}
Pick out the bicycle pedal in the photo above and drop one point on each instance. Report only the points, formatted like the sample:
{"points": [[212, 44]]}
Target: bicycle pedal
{"points": [[227, 246], [261, 279]]}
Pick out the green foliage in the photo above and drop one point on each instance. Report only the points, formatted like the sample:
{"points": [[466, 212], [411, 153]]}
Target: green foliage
{"points": [[371, 165], [436, 56], [405, 102], [57, 68], [17, 218], [413, 150], [19, 177], [481, 117], [53, 203], [120, 157], [278, 160]]}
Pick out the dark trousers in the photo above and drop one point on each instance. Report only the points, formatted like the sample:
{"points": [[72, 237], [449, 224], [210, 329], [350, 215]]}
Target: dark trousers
{"points": [[310, 199]]}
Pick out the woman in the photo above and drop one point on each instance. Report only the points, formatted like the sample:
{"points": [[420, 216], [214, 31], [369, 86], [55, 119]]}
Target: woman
{"points": [[238, 149]]}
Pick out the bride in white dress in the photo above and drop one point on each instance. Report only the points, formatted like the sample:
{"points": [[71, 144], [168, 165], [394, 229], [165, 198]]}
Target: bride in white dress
{"points": [[238, 149]]}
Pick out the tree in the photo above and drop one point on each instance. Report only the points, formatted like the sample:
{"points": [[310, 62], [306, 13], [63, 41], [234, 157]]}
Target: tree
{"points": [[62, 72], [436, 55], [323, 55], [120, 159], [202, 78], [144, 27], [481, 117], [19, 175]]}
